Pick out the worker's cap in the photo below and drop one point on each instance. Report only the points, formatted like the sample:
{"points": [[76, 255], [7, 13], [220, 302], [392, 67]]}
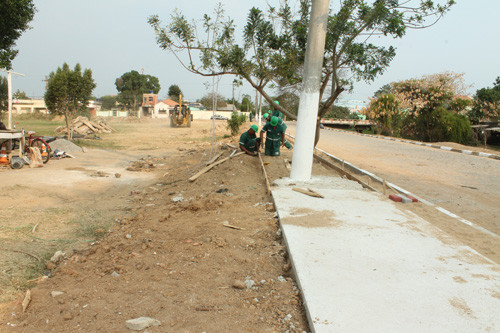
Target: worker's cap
{"points": [[254, 127], [277, 102], [274, 121], [266, 115]]}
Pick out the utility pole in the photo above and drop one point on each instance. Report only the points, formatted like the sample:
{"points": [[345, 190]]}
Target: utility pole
{"points": [[9, 92], [309, 97]]}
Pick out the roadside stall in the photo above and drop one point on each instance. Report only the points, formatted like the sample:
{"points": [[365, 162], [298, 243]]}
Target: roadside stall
{"points": [[7, 155]]}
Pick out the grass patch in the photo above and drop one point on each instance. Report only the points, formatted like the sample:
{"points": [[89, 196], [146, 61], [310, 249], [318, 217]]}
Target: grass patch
{"points": [[40, 126], [92, 225], [101, 144]]}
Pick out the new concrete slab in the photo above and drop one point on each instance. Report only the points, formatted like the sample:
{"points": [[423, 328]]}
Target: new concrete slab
{"points": [[363, 265]]}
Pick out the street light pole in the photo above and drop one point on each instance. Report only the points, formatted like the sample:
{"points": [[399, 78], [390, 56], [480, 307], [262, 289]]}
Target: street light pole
{"points": [[309, 97], [9, 92]]}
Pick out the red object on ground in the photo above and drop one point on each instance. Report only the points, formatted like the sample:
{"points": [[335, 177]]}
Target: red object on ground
{"points": [[412, 198], [395, 197]]}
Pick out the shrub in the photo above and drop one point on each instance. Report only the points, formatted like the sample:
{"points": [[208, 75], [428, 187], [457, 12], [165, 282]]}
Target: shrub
{"points": [[234, 123]]}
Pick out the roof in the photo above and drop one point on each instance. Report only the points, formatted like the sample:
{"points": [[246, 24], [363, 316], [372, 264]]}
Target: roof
{"points": [[169, 102]]}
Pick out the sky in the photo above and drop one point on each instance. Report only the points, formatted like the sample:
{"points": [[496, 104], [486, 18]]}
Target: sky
{"points": [[112, 37]]}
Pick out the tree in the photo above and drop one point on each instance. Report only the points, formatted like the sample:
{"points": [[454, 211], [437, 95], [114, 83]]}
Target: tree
{"points": [[109, 102], [208, 101], [246, 104], [4, 98], [69, 91], [15, 16], [487, 103], [20, 95], [274, 44], [386, 112], [132, 85], [340, 112], [425, 108], [174, 91]]}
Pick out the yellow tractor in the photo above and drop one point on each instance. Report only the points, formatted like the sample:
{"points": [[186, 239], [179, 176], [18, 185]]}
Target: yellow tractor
{"points": [[180, 115]]}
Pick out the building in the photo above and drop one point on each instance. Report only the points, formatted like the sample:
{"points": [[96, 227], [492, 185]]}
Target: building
{"points": [[162, 108], [20, 106]]}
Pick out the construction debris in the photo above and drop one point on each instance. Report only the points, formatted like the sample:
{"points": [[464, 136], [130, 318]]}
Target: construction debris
{"points": [[83, 126], [308, 192]]}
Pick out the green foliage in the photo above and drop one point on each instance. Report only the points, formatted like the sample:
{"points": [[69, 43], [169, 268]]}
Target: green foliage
{"points": [[4, 98], [174, 91], [109, 102], [207, 101], [20, 95], [246, 104], [486, 103], [273, 51], [69, 91], [386, 111], [15, 16], [340, 112], [234, 123], [132, 85]]}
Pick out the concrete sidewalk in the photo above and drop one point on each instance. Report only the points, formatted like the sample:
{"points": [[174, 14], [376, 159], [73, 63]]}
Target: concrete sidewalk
{"points": [[363, 265]]}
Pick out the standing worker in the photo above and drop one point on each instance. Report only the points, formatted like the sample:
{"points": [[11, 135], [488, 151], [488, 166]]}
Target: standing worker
{"points": [[276, 112], [249, 142], [267, 117], [275, 137]]}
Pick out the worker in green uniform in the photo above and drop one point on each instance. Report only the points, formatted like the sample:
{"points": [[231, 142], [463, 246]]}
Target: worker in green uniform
{"points": [[267, 117], [275, 137], [249, 142], [276, 112]]}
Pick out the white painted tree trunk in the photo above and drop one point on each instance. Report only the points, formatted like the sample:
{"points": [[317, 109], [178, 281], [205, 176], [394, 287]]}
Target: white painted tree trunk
{"points": [[309, 97]]}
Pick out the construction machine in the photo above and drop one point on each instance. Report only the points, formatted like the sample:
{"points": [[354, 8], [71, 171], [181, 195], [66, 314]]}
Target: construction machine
{"points": [[180, 115]]}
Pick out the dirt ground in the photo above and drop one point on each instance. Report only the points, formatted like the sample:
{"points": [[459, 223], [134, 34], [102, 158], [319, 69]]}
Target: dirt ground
{"points": [[168, 249]]}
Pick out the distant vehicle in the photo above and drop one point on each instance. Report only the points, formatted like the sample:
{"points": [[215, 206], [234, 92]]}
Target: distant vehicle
{"points": [[219, 117]]}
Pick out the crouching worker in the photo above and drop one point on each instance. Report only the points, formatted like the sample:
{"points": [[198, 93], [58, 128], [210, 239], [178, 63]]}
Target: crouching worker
{"points": [[275, 137], [249, 142]]}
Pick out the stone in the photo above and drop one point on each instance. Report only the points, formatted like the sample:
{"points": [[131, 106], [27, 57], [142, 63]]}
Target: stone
{"points": [[138, 324], [249, 283], [56, 293], [67, 316], [115, 274], [238, 284], [178, 198], [117, 175], [57, 256]]}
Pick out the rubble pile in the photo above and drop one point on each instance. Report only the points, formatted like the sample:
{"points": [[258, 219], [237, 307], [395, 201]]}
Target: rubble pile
{"points": [[84, 126]]}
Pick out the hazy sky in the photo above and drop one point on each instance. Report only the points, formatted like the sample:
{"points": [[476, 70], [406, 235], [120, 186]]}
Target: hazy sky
{"points": [[112, 37]]}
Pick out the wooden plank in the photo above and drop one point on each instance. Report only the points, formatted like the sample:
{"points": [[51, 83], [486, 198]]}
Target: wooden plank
{"points": [[215, 158], [313, 191], [306, 192], [268, 186], [209, 167]]}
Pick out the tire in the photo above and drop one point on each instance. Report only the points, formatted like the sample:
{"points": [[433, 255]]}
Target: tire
{"points": [[40, 144]]}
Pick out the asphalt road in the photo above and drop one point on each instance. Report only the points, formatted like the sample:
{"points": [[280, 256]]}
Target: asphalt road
{"points": [[468, 186]]}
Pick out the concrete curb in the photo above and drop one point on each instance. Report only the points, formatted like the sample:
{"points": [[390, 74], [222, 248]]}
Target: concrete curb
{"points": [[418, 143]]}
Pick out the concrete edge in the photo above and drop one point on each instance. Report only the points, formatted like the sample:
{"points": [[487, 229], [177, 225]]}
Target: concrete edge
{"points": [[294, 271], [418, 143]]}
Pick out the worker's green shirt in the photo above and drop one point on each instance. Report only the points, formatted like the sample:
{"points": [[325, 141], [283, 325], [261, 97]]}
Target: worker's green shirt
{"points": [[273, 138], [277, 113], [248, 141]]}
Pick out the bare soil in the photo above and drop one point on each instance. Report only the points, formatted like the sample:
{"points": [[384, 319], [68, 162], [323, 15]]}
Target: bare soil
{"points": [[168, 249]]}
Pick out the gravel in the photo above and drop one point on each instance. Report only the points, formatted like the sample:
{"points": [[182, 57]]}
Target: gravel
{"points": [[65, 145]]}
